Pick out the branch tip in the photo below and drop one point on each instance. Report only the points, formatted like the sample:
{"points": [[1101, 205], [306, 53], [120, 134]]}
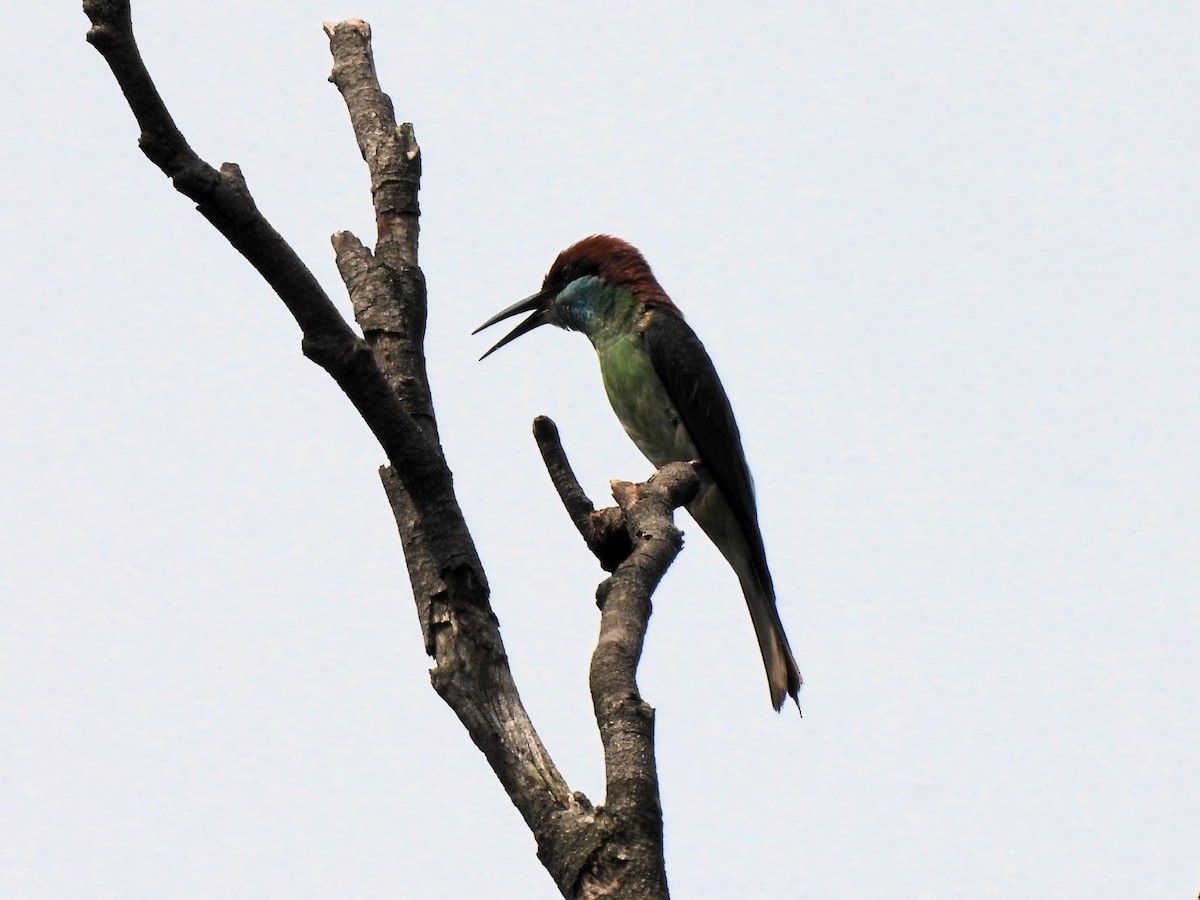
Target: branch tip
{"points": [[358, 25], [345, 242]]}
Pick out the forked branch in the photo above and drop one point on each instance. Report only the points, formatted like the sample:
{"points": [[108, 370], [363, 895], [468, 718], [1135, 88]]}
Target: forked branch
{"points": [[614, 850]]}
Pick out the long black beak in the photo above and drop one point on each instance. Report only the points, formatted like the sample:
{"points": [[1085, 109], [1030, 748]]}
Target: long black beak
{"points": [[539, 303]]}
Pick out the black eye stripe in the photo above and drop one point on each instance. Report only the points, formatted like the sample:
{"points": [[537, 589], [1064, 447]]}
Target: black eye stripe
{"points": [[580, 269], [568, 272]]}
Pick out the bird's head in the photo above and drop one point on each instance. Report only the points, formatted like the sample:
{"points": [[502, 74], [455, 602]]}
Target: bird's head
{"points": [[582, 286]]}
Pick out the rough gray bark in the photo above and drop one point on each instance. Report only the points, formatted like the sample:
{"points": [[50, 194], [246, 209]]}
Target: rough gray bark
{"points": [[610, 850]]}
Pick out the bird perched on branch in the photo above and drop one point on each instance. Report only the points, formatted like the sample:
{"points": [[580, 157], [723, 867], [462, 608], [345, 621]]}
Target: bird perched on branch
{"points": [[664, 389]]}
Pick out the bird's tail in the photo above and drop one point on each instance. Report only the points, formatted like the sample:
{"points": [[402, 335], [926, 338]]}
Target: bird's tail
{"points": [[783, 677], [748, 559]]}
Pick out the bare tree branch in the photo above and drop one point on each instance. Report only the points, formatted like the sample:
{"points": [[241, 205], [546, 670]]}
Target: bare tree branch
{"points": [[459, 627], [613, 850], [393, 312], [223, 198], [642, 539], [626, 721], [603, 531]]}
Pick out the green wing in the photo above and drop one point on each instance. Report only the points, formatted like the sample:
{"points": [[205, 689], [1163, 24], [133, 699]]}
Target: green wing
{"points": [[686, 371]]}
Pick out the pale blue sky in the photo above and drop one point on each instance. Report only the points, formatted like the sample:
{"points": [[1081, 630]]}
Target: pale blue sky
{"points": [[946, 262]]}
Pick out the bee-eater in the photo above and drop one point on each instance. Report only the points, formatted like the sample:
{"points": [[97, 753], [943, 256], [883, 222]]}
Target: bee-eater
{"points": [[664, 389]]}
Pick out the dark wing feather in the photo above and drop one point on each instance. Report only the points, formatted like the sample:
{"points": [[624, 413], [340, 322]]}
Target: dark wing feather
{"points": [[687, 372]]}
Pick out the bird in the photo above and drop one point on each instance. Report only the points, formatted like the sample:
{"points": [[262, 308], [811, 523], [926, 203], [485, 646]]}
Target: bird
{"points": [[665, 391]]}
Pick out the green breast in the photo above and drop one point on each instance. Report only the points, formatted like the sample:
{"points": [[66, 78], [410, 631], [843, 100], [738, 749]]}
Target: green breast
{"points": [[640, 400]]}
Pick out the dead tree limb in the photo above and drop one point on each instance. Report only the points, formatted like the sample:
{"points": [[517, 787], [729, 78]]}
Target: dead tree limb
{"points": [[612, 850]]}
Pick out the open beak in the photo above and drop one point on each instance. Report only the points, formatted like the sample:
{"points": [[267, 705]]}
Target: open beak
{"points": [[539, 303]]}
